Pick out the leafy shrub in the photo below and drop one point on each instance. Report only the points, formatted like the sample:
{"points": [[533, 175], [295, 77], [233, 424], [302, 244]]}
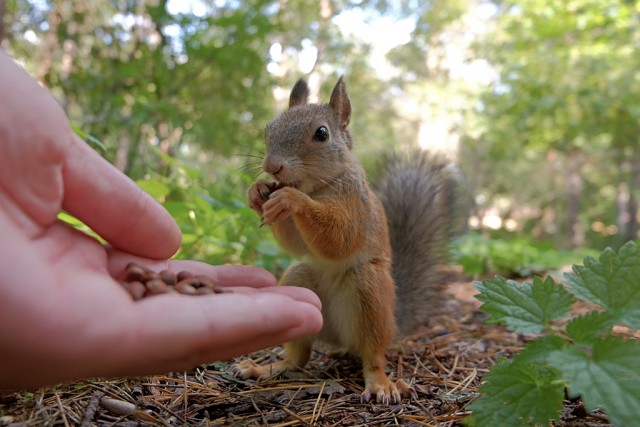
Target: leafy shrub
{"points": [[217, 225], [515, 257], [579, 354]]}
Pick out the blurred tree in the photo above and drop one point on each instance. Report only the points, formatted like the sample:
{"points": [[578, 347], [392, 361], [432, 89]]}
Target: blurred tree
{"points": [[132, 72], [568, 87], [161, 80], [194, 78], [3, 11], [198, 80]]}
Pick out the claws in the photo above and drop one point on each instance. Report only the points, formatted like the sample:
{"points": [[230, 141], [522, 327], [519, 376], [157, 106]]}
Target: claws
{"points": [[259, 193], [246, 369], [386, 394], [265, 195], [281, 205]]}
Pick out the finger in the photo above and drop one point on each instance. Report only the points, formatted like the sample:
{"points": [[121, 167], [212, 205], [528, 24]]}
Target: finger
{"points": [[264, 190], [296, 292], [187, 331], [225, 275], [115, 207], [281, 216], [255, 205], [275, 211]]}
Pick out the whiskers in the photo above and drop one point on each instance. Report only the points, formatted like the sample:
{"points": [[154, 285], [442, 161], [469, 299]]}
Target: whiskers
{"points": [[251, 169], [252, 165], [310, 172], [322, 173], [332, 182]]}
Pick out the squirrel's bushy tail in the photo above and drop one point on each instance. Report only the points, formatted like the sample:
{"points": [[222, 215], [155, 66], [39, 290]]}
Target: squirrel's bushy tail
{"points": [[418, 193]]}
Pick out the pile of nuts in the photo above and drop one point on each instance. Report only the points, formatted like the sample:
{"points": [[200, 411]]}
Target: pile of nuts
{"points": [[142, 282]]}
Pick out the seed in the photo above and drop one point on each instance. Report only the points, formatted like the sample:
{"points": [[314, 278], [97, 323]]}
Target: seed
{"points": [[143, 282], [189, 280], [204, 280], [183, 275], [168, 277], [156, 286], [133, 272], [136, 289], [149, 275], [185, 287]]}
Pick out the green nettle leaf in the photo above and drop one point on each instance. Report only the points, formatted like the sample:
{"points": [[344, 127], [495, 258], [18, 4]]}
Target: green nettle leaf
{"points": [[613, 282], [268, 248], [518, 394], [524, 308], [585, 329], [154, 187], [539, 349], [607, 376], [603, 369], [94, 142]]}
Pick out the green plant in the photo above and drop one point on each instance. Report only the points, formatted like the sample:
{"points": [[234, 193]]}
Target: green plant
{"points": [[579, 353], [217, 225], [478, 254]]}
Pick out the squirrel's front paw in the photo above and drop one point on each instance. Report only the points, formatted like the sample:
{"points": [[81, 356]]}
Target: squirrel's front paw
{"points": [[282, 204], [259, 193]]}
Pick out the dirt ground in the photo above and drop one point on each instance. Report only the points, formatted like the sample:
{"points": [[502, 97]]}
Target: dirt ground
{"points": [[444, 361]]}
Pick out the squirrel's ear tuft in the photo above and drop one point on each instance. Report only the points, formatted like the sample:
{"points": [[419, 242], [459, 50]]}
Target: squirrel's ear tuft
{"points": [[340, 104], [299, 93]]}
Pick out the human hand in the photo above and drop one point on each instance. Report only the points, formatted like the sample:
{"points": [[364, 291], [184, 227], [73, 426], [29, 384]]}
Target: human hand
{"points": [[62, 315]]}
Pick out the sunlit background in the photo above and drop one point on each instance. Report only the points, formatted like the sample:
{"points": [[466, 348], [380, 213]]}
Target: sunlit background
{"points": [[538, 102]]}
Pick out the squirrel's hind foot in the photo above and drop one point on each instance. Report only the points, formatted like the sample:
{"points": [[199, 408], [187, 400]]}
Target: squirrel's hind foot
{"points": [[247, 368], [387, 392]]}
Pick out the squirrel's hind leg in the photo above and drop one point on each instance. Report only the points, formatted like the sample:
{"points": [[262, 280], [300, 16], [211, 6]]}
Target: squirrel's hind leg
{"points": [[297, 355], [378, 384], [297, 351]]}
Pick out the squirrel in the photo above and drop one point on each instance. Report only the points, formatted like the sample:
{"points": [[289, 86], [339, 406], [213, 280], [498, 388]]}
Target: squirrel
{"points": [[370, 256]]}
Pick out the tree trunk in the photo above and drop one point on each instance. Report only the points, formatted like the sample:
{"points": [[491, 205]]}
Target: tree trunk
{"points": [[121, 161], [622, 203], [3, 12], [626, 200], [50, 42], [326, 12], [574, 190], [632, 207]]}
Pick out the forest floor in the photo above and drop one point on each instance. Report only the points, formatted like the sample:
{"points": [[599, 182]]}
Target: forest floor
{"points": [[444, 361]]}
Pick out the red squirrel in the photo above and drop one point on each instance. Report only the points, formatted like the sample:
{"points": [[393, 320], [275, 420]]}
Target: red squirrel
{"points": [[322, 209]]}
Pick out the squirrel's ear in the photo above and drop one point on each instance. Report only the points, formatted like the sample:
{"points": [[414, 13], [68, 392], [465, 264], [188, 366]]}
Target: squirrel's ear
{"points": [[299, 93], [340, 104]]}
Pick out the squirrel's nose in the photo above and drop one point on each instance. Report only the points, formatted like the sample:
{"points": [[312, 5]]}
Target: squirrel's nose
{"points": [[273, 167]]}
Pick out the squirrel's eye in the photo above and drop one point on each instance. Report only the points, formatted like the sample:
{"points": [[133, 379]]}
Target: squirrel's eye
{"points": [[322, 134]]}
